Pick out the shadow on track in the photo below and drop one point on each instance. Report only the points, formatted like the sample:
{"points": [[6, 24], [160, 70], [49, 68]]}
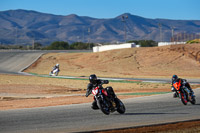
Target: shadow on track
{"points": [[152, 113]]}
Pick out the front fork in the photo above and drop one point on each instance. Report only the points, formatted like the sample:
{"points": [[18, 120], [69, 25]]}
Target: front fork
{"points": [[101, 98]]}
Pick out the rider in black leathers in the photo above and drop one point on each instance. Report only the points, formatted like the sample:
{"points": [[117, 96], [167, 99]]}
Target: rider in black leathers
{"points": [[94, 82], [184, 83]]}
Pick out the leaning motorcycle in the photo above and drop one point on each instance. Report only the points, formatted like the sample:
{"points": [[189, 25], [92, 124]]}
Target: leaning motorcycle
{"points": [[106, 103], [184, 93], [54, 72]]}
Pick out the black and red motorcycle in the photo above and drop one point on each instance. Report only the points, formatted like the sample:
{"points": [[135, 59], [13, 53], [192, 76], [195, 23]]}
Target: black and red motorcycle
{"points": [[106, 102], [184, 93]]}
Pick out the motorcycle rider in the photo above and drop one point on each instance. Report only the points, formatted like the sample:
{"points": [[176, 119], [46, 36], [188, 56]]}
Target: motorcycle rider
{"points": [[94, 82], [55, 67], [184, 83]]}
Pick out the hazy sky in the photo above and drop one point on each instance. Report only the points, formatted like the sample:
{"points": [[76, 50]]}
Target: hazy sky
{"points": [[167, 9]]}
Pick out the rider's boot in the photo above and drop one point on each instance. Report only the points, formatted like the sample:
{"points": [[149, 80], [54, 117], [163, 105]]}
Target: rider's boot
{"points": [[175, 92], [94, 105], [175, 95]]}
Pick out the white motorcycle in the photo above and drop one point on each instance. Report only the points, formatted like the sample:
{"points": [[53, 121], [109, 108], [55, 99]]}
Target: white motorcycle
{"points": [[54, 72]]}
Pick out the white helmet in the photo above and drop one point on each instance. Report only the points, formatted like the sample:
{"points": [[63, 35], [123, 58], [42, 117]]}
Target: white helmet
{"points": [[57, 65]]}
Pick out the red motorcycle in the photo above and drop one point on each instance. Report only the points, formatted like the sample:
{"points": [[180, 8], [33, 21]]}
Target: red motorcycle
{"points": [[106, 103], [184, 93]]}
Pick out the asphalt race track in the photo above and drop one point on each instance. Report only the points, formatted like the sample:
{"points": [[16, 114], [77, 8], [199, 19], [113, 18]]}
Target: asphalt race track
{"points": [[15, 61], [140, 111], [148, 110]]}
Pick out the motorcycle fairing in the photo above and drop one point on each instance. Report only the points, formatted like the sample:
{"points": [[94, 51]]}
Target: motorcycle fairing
{"points": [[177, 85], [105, 92], [95, 91]]}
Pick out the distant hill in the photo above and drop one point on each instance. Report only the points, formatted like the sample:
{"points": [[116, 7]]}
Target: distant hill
{"points": [[23, 26]]}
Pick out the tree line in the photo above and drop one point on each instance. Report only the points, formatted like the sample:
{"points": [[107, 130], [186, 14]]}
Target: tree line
{"points": [[62, 45], [144, 43], [57, 45]]}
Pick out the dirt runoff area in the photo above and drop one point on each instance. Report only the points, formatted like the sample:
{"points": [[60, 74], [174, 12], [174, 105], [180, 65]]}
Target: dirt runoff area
{"points": [[17, 91]]}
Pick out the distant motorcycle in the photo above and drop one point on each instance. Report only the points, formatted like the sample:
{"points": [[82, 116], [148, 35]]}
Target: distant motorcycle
{"points": [[184, 93], [106, 103], [54, 72]]}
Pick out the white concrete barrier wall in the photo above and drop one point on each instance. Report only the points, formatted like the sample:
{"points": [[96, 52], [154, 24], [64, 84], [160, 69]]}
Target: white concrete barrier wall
{"points": [[170, 43], [113, 46]]}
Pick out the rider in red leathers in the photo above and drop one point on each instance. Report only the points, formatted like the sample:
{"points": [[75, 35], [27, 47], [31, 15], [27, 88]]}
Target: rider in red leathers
{"points": [[94, 82]]}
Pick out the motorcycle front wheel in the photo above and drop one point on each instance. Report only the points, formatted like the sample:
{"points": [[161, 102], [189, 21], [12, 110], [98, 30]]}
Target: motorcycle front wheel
{"points": [[56, 73], [193, 101], [104, 108], [183, 98], [120, 106]]}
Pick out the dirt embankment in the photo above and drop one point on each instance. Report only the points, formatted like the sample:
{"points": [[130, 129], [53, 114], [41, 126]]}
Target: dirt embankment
{"points": [[183, 60]]}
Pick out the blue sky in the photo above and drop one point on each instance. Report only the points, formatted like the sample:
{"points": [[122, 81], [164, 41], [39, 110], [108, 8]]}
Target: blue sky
{"points": [[167, 9]]}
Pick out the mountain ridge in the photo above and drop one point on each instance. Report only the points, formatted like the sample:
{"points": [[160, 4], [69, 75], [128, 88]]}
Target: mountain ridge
{"points": [[24, 26]]}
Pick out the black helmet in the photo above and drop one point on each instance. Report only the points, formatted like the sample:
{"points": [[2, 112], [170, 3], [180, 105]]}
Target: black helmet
{"points": [[174, 78], [93, 79]]}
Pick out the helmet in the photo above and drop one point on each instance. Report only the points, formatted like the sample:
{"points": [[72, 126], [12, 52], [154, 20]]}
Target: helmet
{"points": [[174, 78], [57, 65], [93, 79]]}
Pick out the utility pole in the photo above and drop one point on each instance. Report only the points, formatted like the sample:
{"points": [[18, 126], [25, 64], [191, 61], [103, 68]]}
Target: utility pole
{"points": [[16, 41], [88, 34], [33, 44], [160, 27], [184, 38], [89, 37], [83, 34], [124, 21], [172, 29]]}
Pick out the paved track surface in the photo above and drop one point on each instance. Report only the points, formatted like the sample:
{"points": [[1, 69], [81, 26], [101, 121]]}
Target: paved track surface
{"points": [[14, 61], [80, 117]]}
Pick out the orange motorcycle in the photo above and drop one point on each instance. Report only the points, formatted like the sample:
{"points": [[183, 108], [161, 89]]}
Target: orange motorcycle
{"points": [[184, 93]]}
